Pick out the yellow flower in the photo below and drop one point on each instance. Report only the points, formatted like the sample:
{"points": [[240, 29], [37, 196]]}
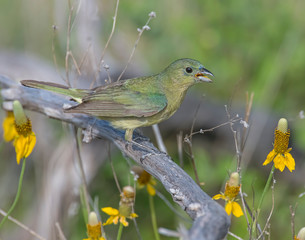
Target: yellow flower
{"points": [[280, 153], [116, 215], [18, 128], [94, 231], [9, 130], [125, 209], [230, 194], [144, 179]]}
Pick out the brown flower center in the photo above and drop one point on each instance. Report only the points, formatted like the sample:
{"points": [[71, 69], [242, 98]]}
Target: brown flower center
{"points": [[231, 191], [144, 178], [94, 231], [281, 141], [24, 129]]}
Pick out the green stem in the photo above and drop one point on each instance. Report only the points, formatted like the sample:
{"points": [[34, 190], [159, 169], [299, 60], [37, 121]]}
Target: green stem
{"points": [[120, 232], [267, 186], [17, 195], [153, 216]]}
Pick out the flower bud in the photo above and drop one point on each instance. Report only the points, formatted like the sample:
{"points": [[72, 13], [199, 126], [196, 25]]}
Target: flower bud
{"points": [[128, 192], [282, 125], [234, 179], [94, 230], [20, 117], [92, 219], [127, 196]]}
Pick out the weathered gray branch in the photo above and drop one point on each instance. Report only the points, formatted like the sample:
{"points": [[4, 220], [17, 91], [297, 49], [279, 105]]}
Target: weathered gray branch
{"points": [[210, 220]]}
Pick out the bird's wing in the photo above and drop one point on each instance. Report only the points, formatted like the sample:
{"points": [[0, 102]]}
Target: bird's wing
{"points": [[119, 101]]}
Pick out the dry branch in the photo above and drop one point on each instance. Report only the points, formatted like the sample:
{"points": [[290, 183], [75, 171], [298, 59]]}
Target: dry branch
{"points": [[210, 220]]}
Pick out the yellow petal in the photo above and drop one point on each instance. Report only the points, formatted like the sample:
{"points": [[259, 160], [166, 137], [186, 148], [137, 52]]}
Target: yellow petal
{"points": [[24, 146], [9, 130], [133, 215], [290, 163], [236, 209], [20, 145], [151, 190], [218, 196], [109, 221], [123, 221], [110, 211], [116, 219], [228, 208], [279, 162], [270, 157], [31, 142]]}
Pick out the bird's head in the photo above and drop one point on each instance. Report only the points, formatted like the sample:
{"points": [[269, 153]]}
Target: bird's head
{"points": [[188, 71]]}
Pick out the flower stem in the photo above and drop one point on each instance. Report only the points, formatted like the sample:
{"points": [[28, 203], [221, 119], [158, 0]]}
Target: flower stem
{"points": [[153, 217], [17, 195], [267, 186], [120, 232]]}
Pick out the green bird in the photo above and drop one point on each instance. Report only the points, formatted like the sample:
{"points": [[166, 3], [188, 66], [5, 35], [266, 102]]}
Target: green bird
{"points": [[137, 102]]}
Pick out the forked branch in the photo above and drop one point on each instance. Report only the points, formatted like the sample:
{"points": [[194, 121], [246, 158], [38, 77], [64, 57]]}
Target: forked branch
{"points": [[210, 220]]}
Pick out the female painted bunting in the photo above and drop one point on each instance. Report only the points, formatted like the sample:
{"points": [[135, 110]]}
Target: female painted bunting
{"points": [[137, 102]]}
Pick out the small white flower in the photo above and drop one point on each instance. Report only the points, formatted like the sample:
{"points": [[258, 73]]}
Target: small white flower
{"points": [[152, 14], [301, 114], [146, 27], [244, 123]]}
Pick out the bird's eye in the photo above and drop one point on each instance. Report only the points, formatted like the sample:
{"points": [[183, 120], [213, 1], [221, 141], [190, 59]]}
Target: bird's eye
{"points": [[189, 70]]}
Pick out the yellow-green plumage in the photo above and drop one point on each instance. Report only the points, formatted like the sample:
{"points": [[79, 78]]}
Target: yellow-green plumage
{"points": [[136, 102]]}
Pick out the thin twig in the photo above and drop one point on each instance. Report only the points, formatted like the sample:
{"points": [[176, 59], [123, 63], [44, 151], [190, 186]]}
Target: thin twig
{"points": [[169, 233], [145, 27], [235, 236], [271, 211], [3, 213], [202, 131], [180, 148], [134, 219], [68, 43], [245, 205], [75, 64], [159, 138], [160, 195], [60, 235], [107, 43], [238, 153], [192, 158], [83, 59], [113, 171], [53, 52], [249, 102], [68, 51], [189, 142], [292, 212], [81, 166]]}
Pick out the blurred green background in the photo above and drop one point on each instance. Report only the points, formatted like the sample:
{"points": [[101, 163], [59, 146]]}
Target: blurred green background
{"points": [[249, 46]]}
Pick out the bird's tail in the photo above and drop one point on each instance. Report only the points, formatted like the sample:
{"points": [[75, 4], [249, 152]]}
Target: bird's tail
{"points": [[75, 94]]}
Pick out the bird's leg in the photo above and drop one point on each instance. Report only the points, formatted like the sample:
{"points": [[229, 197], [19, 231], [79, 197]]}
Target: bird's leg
{"points": [[128, 135]]}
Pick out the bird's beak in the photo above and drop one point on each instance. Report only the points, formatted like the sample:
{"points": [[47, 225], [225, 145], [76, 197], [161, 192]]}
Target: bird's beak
{"points": [[203, 75]]}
